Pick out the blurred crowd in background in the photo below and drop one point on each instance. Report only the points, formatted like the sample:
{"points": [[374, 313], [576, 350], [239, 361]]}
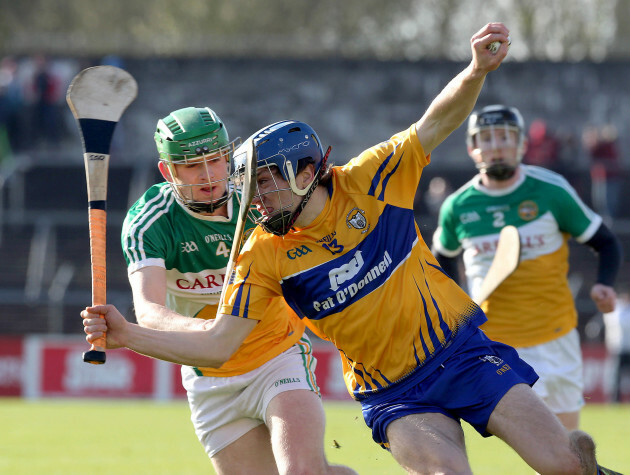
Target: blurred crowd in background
{"points": [[34, 117], [32, 103]]}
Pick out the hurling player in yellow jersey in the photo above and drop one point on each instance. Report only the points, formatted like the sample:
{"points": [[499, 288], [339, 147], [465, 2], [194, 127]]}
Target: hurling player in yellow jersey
{"points": [[341, 245], [258, 408], [533, 309]]}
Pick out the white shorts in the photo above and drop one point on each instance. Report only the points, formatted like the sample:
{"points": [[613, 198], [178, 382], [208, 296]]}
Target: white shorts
{"points": [[223, 409], [559, 365]]}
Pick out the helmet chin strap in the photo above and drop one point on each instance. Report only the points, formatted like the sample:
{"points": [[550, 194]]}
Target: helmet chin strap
{"points": [[500, 171], [203, 207]]}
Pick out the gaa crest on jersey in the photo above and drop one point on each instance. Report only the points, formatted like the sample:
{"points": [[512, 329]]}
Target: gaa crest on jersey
{"points": [[298, 252], [190, 246], [528, 210], [356, 219]]}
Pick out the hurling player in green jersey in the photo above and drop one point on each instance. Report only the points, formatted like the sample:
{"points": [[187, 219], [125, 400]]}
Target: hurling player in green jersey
{"points": [[257, 408], [533, 309]]}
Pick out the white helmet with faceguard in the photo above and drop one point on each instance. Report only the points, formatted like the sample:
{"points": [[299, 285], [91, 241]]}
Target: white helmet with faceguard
{"points": [[497, 133]]}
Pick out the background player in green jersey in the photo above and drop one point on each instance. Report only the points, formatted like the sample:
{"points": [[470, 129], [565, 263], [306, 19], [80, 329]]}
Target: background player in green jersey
{"points": [[176, 239], [533, 310]]}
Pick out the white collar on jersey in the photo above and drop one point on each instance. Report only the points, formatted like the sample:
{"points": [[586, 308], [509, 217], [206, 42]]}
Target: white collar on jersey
{"points": [[503, 191]]}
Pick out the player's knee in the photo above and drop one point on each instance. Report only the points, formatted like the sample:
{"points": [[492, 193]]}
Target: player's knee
{"points": [[415, 461], [584, 446], [577, 458], [303, 466]]}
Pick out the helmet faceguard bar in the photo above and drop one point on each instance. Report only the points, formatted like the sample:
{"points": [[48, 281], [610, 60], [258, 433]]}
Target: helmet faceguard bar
{"points": [[184, 192], [502, 125], [288, 146]]}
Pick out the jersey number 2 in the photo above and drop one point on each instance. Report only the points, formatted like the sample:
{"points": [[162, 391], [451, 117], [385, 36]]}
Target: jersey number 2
{"points": [[499, 219]]}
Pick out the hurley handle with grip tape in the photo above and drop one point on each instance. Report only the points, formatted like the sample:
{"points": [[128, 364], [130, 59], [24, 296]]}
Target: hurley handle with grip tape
{"points": [[98, 96]]}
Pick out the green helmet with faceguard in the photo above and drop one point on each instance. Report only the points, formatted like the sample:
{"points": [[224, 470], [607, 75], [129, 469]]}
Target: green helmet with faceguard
{"points": [[190, 136]]}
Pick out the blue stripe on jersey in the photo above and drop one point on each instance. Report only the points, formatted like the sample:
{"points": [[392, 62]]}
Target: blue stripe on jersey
{"points": [[238, 306], [377, 177], [336, 284], [443, 325], [381, 197], [425, 348]]}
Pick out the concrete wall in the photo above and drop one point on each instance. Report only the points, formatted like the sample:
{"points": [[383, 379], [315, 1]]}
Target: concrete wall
{"points": [[356, 104]]}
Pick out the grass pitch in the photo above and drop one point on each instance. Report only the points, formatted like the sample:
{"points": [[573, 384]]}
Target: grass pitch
{"points": [[135, 437]]}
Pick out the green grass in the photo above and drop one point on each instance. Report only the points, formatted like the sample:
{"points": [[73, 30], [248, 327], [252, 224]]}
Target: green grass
{"points": [[135, 437]]}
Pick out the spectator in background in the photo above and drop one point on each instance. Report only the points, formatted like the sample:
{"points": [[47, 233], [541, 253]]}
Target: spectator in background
{"points": [[617, 324], [601, 145], [10, 103], [543, 147], [45, 118]]}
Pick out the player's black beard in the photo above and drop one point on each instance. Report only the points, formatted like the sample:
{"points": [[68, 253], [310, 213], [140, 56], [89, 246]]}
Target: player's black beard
{"points": [[500, 171]]}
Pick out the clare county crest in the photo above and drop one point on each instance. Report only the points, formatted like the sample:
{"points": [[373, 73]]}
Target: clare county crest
{"points": [[356, 219]]}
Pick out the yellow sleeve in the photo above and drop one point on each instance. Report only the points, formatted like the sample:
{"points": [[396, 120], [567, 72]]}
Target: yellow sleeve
{"points": [[391, 170]]}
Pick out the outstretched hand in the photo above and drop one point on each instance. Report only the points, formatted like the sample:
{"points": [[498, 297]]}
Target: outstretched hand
{"points": [[484, 59], [102, 319]]}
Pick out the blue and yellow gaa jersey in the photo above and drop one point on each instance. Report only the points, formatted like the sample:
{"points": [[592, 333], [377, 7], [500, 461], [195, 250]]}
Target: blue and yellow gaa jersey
{"points": [[361, 273]]}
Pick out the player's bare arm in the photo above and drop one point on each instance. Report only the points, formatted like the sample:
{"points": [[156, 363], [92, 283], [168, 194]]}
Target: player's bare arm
{"points": [[456, 101], [149, 298], [210, 347]]}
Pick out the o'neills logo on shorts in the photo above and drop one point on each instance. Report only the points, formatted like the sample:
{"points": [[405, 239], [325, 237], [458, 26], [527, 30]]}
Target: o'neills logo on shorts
{"points": [[280, 382], [502, 367]]}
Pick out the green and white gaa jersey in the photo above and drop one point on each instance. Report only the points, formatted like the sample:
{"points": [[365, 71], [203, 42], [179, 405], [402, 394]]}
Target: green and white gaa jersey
{"points": [[194, 249], [534, 304]]}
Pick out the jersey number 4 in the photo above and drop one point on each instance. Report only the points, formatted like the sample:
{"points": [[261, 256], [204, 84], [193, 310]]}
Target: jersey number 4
{"points": [[223, 250]]}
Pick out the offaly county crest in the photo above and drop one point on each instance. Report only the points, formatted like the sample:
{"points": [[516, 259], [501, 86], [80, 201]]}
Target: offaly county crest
{"points": [[528, 210], [356, 219]]}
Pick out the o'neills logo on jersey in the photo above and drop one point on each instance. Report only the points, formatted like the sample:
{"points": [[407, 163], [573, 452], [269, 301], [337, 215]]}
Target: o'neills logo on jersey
{"points": [[356, 219], [330, 243], [528, 210], [349, 272]]}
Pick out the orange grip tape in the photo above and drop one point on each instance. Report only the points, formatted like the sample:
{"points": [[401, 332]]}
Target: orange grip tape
{"points": [[98, 221]]}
